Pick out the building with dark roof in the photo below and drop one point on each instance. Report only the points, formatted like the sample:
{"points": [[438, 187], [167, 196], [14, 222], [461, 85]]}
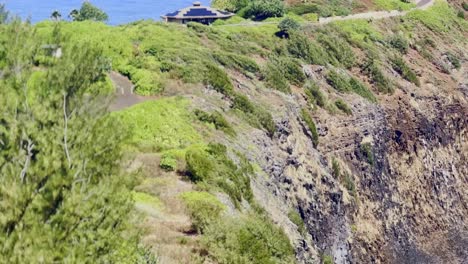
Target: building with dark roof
{"points": [[197, 13]]}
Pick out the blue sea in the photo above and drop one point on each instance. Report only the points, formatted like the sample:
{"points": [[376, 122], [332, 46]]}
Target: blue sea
{"points": [[119, 11]]}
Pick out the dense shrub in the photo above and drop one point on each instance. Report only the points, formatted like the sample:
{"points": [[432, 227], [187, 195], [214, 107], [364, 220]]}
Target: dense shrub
{"points": [[400, 66], [465, 6], [262, 9], [248, 239], [338, 49], [311, 126], [288, 25], [343, 106], [146, 82], [299, 46], [275, 78], [235, 61], [217, 119], [204, 208], [303, 8]]}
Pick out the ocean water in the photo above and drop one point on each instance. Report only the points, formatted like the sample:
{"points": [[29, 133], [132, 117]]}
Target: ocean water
{"points": [[119, 11]]}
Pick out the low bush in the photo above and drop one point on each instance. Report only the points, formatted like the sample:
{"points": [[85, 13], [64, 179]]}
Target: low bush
{"points": [[454, 60], [366, 151], [400, 66], [465, 6], [146, 82], [372, 69], [360, 89], [343, 106], [338, 49], [327, 259], [213, 167], [338, 81], [168, 162], [257, 116], [248, 239], [237, 62], [296, 218], [217, 120], [204, 208], [311, 126], [400, 43], [303, 8], [275, 78], [300, 47], [218, 80], [314, 95]]}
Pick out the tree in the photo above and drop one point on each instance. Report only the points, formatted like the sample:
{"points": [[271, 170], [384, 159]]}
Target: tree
{"points": [[288, 25], [4, 14], [56, 16], [64, 197], [89, 12], [74, 14]]}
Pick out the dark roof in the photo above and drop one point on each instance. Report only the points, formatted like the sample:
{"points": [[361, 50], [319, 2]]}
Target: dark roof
{"points": [[198, 11]]}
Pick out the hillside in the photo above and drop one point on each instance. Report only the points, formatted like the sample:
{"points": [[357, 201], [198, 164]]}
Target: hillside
{"points": [[343, 142]]}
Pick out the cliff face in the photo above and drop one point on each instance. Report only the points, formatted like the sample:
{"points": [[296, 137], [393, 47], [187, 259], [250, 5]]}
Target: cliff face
{"points": [[401, 193]]}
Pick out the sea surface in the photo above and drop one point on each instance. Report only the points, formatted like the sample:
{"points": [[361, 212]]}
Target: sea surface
{"points": [[119, 11]]}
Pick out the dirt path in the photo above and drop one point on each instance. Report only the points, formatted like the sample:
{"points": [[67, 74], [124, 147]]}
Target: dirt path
{"points": [[124, 91]]}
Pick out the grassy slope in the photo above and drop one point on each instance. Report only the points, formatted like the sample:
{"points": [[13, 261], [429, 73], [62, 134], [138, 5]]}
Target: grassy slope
{"points": [[153, 54]]}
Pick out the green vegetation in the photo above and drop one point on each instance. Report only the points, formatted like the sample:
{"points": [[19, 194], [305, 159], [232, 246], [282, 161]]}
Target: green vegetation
{"points": [[296, 218], [88, 12], [454, 60], [311, 126], [262, 9], [204, 208], [217, 120], [439, 18], [314, 95], [346, 84], [248, 239], [366, 151], [465, 6], [212, 166], [146, 199], [394, 4], [288, 25], [400, 43], [300, 47], [168, 162], [327, 259], [343, 106], [62, 185], [160, 125], [400, 66], [373, 69], [338, 50]]}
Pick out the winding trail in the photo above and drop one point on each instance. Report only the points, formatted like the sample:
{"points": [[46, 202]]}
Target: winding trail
{"points": [[124, 93]]}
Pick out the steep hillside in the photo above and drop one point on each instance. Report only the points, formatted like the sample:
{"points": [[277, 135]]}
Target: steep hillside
{"points": [[343, 143]]}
